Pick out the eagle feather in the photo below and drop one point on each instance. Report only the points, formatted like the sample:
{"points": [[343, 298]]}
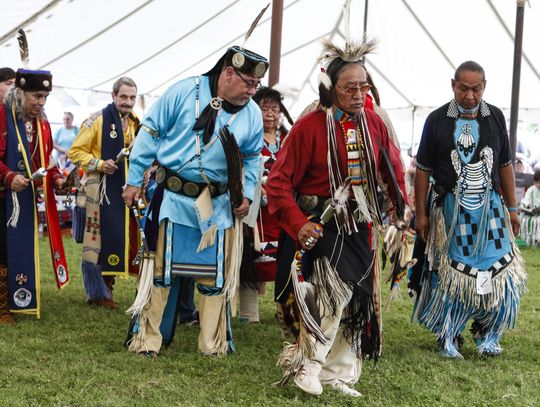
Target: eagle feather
{"points": [[254, 23], [23, 47], [234, 165]]}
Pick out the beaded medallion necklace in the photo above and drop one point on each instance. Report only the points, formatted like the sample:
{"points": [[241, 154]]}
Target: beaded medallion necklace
{"points": [[354, 144]]}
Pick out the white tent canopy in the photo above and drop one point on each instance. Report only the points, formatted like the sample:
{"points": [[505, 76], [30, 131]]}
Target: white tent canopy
{"points": [[87, 44]]}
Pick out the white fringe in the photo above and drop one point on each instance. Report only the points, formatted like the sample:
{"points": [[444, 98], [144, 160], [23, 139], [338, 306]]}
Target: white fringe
{"points": [[499, 307], [256, 238], [144, 286], [392, 241], [332, 151], [331, 289], [254, 208], [307, 323], [393, 296], [508, 285], [463, 287], [139, 340], [208, 238], [371, 198], [363, 206], [102, 188], [205, 212], [233, 276], [14, 218], [291, 360]]}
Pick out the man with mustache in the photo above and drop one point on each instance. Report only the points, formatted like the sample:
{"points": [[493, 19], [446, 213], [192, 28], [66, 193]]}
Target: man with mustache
{"points": [[110, 236]]}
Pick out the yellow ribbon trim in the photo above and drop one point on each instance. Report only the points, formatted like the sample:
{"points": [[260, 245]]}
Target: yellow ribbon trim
{"points": [[36, 245]]}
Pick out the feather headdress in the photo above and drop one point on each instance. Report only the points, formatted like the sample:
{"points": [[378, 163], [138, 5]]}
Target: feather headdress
{"points": [[333, 57], [353, 52]]}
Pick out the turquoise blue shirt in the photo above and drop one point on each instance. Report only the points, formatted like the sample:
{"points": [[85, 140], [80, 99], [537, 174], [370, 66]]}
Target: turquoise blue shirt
{"points": [[64, 138], [172, 118]]}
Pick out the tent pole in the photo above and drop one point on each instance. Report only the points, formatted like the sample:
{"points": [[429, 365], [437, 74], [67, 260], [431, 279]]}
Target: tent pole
{"points": [[364, 36], [366, 10], [413, 113], [514, 104], [275, 42]]}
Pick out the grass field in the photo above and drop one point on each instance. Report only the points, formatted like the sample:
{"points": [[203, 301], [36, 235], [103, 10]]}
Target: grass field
{"points": [[74, 356]]}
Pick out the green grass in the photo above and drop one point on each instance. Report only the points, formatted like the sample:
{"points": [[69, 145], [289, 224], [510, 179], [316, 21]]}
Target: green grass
{"points": [[74, 356]]}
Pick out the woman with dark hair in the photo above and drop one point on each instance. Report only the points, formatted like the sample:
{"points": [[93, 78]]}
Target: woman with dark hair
{"points": [[261, 266]]}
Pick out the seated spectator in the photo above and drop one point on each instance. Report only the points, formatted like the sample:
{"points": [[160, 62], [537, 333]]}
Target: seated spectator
{"points": [[522, 166]]}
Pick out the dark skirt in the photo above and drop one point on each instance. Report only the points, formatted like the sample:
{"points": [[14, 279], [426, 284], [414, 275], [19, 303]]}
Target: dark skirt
{"points": [[351, 256]]}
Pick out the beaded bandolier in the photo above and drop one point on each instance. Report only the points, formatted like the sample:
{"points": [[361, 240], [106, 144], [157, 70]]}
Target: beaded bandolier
{"points": [[355, 157]]}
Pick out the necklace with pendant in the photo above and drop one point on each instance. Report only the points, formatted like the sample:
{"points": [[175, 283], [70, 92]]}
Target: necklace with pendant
{"points": [[29, 131]]}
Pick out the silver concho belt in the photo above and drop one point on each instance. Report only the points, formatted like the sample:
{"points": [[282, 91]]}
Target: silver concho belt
{"points": [[313, 203], [175, 183]]}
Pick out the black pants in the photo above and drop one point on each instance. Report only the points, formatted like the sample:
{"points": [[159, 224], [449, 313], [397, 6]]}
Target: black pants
{"points": [[186, 303]]}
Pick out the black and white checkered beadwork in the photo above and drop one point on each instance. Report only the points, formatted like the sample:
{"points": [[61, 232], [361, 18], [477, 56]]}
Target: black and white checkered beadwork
{"points": [[496, 268]]}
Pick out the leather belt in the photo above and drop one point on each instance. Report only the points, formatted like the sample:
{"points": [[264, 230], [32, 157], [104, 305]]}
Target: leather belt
{"points": [[173, 182]]}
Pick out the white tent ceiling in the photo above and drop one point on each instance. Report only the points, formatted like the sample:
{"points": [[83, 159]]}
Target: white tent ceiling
{"points": [[89, 43]]}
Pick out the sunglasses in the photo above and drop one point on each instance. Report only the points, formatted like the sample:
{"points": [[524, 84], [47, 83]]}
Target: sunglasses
{"points": [[353, 90]]}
